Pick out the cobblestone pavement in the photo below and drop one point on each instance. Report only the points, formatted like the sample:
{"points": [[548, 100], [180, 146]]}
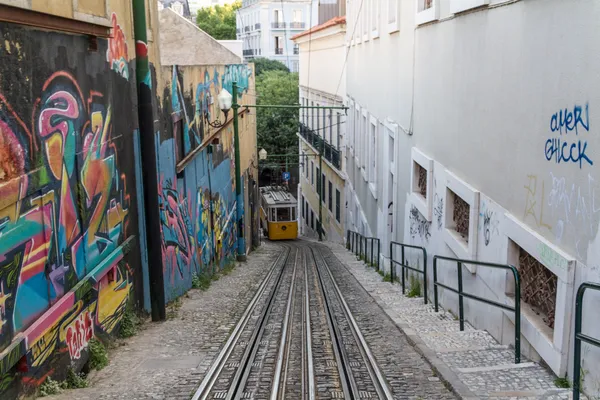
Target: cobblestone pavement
{"points": [[472, 362], [168, 360]]}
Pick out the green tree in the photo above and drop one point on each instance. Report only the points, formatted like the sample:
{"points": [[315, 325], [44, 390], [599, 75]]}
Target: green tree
{"points": [[277, 127], [219, 21], [264, 64]]}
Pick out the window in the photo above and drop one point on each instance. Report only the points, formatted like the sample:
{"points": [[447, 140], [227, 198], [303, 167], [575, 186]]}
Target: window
{"points": [[303, 211], [283, 214], [297, 16], [375, 18], [312, 219], [278, 45], [318, 182], [422, 183], [461, 217], [312, 173], [330, 197], [337, 205], [276, 15], [323, 187], [427, 11], [393, 19], [312, 115], [365, 19], [306, 206], [372, 148], [293, 214], [273, 215]]}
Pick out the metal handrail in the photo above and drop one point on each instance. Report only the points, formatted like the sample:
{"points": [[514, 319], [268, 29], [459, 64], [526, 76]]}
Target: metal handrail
{"points": [[579, 337], [358, 244], [516, 309], [403, 265]]}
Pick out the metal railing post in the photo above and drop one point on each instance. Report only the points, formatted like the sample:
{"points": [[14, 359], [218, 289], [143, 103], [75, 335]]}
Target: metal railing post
{"points": [[402, 269], [372, 244], [378, 253], [392, 265], [461, 311], [579, 336], [517, 315], [425, 275], [435, 288]]}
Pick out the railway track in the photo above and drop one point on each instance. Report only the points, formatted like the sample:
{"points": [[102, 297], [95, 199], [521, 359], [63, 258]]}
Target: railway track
{"points": [[297, 339]]}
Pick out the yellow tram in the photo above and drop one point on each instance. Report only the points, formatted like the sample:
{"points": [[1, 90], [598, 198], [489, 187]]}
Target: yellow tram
{"points": [[278, 213]]}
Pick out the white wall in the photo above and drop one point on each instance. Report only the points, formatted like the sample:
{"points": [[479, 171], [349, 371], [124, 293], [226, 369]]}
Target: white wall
{"points": [[490, 87]]}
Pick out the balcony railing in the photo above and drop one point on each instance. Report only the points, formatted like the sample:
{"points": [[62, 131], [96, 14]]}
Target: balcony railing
{"points": [[296, 50], [297, 25], [248, 52], [246, 29], [278, 25], [330, 153], [278, 51], [257, 26]]}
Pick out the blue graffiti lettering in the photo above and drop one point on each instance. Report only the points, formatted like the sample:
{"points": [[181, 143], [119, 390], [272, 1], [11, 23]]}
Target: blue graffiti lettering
{"points": [[563, 152], [570, 120]]}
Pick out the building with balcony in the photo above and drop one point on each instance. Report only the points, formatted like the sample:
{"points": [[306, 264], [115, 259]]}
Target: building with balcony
{"points": [[266, 28], [322, 188]]}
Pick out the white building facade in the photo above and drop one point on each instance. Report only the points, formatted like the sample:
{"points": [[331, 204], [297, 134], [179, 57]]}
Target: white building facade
{"points": [[267, 26], [471, 132], [322, 79]]}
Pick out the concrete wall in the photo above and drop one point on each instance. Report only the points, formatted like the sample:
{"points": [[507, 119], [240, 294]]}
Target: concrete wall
{"points": [[183, 43], [70, 260]]}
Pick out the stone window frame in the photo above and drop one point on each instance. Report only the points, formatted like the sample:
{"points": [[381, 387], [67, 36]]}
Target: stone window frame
{"points": [[552, 345], [465, 250], [423, 204], [457, 6], [429, 15], [393, 26]]}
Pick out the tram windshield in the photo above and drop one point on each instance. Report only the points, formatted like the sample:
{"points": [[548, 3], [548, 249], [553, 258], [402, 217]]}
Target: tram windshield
{"points": [[283, 214]]}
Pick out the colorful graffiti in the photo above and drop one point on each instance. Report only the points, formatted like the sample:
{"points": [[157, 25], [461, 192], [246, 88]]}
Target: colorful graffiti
{"points": [[179, 244], [116, 55], [64, 209], [239, 73]]}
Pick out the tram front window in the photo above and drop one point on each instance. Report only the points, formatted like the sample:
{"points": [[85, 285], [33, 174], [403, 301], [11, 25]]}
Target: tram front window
{"points": [[283, 214]]}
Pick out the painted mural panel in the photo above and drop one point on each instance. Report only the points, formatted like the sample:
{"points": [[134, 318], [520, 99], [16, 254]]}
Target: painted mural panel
{"points": [[198, 204], [67, 211]]}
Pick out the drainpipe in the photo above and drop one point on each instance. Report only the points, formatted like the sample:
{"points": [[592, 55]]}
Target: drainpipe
{"points": [[149, 161], [241, 244]]}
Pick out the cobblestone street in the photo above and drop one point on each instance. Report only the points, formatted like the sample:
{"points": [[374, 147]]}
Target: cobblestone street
{"points": [[346, 343]]}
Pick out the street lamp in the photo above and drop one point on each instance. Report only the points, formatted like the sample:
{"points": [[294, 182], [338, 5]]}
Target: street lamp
{"points": [[225, 100], [262, 154]]}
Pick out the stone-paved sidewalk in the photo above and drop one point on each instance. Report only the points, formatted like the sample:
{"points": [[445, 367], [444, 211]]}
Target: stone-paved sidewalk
{"points": [[472, 362]]}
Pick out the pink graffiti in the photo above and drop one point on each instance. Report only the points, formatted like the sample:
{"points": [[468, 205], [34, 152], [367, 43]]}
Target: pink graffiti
{"points": [[79, 334]]}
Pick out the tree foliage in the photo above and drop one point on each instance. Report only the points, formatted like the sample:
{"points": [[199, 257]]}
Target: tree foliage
{"points": [[277, 127], [264, 64], [219, 21]]}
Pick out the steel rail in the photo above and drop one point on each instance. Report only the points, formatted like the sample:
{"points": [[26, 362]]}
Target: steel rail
{"points": [[349, 386], [285, 338], [377, 376], [241, 376], [310, 372], [213, 373]]}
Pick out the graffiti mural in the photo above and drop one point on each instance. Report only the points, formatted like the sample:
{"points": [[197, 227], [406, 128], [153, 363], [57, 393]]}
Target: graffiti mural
{"points": [[562, 149], [65, 209], [419, 226], [116, 55], [197, 204], [239, 73]]}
